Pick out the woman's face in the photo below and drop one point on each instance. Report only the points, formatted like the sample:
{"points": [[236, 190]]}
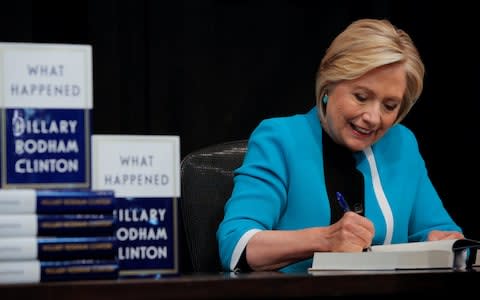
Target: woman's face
{"points": [[359, 112]]}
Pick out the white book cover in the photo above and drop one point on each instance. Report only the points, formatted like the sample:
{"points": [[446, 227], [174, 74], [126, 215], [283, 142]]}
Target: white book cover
{"points": [[136, 165], [46, 99], [42, 75], [26, 271]]}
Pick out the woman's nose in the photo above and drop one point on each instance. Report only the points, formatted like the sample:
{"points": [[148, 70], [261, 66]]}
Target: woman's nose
{"points": [[372, 114]]}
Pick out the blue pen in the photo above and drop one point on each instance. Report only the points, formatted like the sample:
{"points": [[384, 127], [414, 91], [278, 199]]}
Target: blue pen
{"points": [[342, 202]]}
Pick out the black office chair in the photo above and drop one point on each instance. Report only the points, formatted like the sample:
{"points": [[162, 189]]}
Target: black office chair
{"points": [[207, 182]]}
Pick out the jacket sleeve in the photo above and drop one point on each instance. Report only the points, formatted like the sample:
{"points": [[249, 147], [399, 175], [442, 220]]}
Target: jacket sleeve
{"points": [[259, 193]]}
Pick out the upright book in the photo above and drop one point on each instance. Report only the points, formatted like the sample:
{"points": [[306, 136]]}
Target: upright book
{"points": [[144, 172], [46, 100], [447, 254]]}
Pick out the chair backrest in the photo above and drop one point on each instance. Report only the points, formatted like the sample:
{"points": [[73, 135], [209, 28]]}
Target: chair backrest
{"points": [[207, 182]]}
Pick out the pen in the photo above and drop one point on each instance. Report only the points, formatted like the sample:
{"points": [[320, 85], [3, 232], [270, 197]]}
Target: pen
{"points": [[342, 202], [345, 207]]}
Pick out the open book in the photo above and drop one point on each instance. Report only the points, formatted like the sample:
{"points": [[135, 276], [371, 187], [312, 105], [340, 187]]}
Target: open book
{"points": [[454, 254]]}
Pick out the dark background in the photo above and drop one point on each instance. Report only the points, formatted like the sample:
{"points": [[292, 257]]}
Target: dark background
{"points": [[209, 71]]}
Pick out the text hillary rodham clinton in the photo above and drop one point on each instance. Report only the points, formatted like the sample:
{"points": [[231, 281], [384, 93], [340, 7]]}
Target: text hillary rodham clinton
{"points": [[143, 230], [153, 217]]}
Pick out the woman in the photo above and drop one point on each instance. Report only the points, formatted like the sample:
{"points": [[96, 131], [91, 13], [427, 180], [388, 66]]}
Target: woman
{"points": [[285, 202]]}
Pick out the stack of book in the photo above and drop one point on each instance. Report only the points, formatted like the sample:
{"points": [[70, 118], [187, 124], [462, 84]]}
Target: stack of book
{"points": [[53, 226], [57, 235], [46, 145]]}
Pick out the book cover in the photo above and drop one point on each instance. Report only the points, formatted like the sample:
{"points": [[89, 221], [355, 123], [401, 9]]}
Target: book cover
{"points": [[45, 148], [57, 248], [48, 201], [35, 271], [444, 254], [144, 172], [46, 100], [20, 225], [146, 231]]}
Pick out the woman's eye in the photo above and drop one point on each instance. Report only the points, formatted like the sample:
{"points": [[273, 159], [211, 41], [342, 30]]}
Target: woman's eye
{"points": [[391, 107], [360, 97]]}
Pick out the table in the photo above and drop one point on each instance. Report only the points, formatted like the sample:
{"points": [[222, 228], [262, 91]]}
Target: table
{"points": [[260, 285]]}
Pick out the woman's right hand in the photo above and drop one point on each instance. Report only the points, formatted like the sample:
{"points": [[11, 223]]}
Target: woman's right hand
{"points": [[274, 249], [352, 233]]}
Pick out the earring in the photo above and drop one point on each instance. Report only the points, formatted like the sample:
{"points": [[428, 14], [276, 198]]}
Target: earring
{"points": [[325, 99]]}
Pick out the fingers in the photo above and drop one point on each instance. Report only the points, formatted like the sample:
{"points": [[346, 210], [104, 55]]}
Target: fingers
{"points": [[351, 233], [436, 235]]}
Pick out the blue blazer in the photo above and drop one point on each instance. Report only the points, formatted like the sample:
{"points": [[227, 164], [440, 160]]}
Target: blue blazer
{"points": [[281, 185]]}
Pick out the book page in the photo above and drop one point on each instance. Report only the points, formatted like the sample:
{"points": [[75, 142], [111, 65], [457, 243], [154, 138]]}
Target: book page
{"points": [[445, 245], [382, 260]]}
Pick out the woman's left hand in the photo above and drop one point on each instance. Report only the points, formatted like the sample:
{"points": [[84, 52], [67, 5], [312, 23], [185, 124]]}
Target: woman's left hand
{"points": [[436, 235]]}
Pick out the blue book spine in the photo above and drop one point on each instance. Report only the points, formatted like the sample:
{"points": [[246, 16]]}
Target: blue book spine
{"points": [[23, 201], [78, 270], [34, 271], [61, 248], [17, 225]]}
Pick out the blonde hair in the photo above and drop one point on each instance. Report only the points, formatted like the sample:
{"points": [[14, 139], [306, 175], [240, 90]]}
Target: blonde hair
{"points": [[364, 45]]}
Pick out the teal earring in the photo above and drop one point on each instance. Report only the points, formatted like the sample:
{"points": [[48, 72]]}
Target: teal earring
{"points": [[325, 99]]}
